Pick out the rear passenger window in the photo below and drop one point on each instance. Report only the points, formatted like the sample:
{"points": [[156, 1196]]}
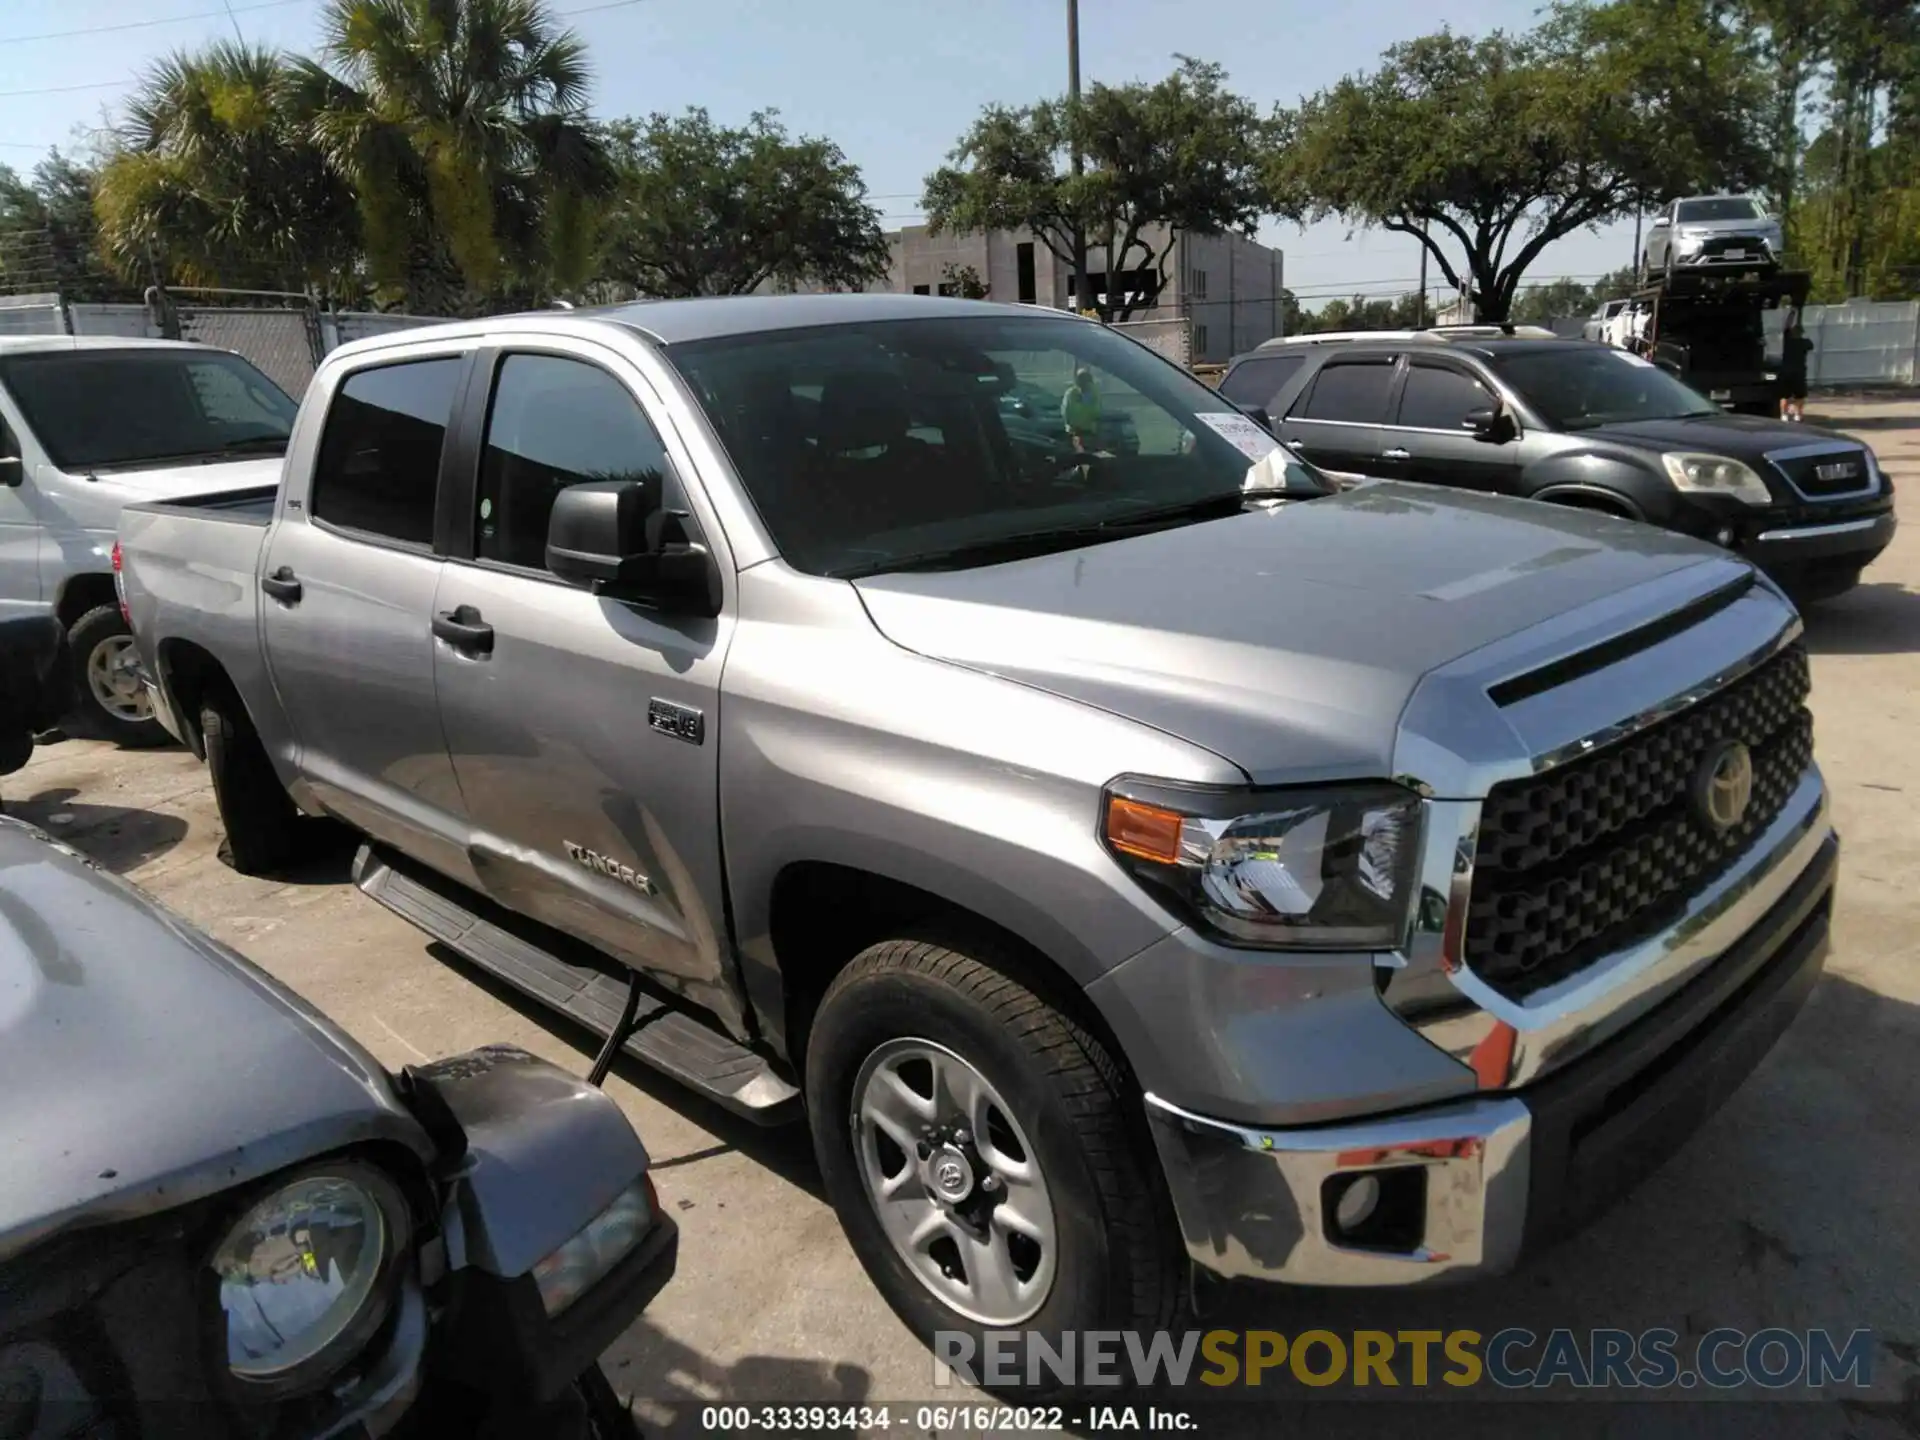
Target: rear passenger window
{"points": [[554, 422], [379, 463], [1437, 399], [1257, 382], [1353, 392]]}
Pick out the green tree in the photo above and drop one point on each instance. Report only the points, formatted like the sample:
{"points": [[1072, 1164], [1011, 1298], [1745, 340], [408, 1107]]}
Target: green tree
{"points": [[703, 209], [1554, 300], [216, 182], [1180, 156], [49, 239], [1489, 150], [462, 127], [962, 281]]}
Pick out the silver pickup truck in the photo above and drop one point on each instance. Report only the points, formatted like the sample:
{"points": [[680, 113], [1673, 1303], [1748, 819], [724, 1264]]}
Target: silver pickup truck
{"points": [[1128, 857]]}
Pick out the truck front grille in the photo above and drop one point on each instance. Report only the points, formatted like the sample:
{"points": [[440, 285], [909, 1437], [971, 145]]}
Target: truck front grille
{"points": [[1593, 855], [1827, 476]]}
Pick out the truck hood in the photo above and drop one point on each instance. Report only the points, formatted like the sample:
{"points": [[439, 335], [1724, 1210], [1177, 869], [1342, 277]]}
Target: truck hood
{"points": [[174, 482], [144, 1065], [1741, 437], [1286, 641]]}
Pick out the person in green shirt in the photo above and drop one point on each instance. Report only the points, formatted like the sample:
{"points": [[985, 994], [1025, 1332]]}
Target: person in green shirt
{"points": [[1080, 408]]}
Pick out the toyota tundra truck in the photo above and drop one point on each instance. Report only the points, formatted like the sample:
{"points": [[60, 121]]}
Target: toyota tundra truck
{"points": [[1127, 859]]}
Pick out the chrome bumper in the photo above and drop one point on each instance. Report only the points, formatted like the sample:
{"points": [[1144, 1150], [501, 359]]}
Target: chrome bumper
{"points": [[1506, 1172]]}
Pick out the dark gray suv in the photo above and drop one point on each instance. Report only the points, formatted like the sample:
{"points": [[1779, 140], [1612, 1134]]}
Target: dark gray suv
{"points": [[1578, 424]]}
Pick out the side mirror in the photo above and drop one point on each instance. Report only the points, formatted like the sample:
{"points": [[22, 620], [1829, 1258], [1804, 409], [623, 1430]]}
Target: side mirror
{"points": [[1659, 222], [1487, 421], [615, 538], [12, 471], [1258, 414]]}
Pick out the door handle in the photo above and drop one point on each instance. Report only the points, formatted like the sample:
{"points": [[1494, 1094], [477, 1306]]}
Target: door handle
{"points": [[1396, 454], [282, 585], [463, 629]]}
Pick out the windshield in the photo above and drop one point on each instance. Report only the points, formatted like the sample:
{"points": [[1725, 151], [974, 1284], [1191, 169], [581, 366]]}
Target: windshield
{"points": [[1692, 212], [1579, 387], [897, 443], [95, 409]]}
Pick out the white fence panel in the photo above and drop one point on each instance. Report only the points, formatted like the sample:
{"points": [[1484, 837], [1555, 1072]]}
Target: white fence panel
{"points": [[1172, 338], [103, 318], [31, 315]]}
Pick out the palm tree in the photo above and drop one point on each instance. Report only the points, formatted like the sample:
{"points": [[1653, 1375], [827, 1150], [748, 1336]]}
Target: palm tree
{"points": [[214, 181], [463, 127]]}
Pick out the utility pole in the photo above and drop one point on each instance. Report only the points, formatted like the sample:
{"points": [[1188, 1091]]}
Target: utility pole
{"points": [[1635, 266], [1080, 299]]}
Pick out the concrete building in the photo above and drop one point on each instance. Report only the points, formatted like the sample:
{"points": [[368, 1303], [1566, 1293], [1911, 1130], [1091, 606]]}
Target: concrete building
{"points": [[1228, 287]]}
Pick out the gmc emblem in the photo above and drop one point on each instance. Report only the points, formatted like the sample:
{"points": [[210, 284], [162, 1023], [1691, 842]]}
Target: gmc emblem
{"points": [[1839, 470]]}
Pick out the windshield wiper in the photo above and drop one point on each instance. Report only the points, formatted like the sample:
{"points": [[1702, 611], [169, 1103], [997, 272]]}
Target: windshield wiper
{"points": [[255, 442], [1039, 542]]}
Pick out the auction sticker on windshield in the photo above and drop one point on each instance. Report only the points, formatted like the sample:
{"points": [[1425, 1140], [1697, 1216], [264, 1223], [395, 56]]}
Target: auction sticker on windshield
{"points": [[1245, 436]]}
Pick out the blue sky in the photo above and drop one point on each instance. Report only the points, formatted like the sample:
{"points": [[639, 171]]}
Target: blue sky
{"points": [[893, 81]]}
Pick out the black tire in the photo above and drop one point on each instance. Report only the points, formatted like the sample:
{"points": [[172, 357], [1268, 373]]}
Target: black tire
{"points": [[1119, 1264], [264, 826], [102, 626]]}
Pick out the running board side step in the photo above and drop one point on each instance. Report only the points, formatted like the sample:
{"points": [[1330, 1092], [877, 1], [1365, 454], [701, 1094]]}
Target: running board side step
{"points": [[664, 1037]]}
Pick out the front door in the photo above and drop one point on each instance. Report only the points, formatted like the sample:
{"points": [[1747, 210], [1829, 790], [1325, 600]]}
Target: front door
{"points": [[1428, 437], [349, 581], [1335, 422], [584, 730]]}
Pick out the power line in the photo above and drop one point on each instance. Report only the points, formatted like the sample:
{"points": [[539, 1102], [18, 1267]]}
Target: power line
{"points": [[64, 89], [149, 24]]}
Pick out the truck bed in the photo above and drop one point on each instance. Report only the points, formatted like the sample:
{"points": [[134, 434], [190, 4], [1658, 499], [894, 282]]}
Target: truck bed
{"points": [[189, 570]]}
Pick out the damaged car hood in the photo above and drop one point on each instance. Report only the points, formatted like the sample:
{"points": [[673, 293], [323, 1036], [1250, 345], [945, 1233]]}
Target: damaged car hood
{"points": [[144, 1065], [1285, 640]]}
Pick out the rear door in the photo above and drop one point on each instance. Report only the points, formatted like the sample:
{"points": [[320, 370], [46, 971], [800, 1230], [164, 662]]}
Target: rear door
{"points": [[1335, 422], [1256, 382], [584, 730], [1428, 441], [349, 578]]}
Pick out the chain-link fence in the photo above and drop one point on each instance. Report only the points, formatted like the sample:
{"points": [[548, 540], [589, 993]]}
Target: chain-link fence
{"points": [[343, 327]]}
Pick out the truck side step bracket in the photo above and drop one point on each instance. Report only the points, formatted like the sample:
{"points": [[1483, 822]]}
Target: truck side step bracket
{"points": [[666, 1038]]}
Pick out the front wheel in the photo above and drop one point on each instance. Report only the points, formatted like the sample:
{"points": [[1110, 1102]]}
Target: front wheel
{"points": [[264, 826], [981, 1150], [113, 703]]}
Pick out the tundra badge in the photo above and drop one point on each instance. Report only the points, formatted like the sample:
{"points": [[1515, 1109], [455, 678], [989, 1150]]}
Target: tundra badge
{"points": [[612, 869]]}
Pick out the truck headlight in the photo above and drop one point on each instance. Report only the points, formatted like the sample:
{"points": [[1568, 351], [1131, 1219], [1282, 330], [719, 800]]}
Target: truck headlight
{"points": [[602, 1243], [307, 1276], [1313, 869], [1715, 475]]}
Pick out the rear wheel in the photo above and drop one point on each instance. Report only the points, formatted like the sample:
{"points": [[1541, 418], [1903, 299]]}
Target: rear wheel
{"points": [[263, 824], [112, 701], [979, 1147]]}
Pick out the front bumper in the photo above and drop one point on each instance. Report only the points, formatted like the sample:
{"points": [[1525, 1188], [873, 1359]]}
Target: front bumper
{"points": [[1857, 542], [1500, 1174]]}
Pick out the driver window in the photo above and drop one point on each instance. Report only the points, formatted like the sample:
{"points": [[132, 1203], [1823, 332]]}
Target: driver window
{"points": [[554, 422]]}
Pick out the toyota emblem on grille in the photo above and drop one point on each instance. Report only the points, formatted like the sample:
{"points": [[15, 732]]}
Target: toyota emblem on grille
{"points": [[1723, 785], [1839, 470]]}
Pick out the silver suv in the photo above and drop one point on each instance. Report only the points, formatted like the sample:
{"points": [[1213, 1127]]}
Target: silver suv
{"points": [[1127, 858], [1712, 230]]}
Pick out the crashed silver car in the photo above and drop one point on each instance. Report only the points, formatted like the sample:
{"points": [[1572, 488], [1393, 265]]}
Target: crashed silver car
{"points": [[220, 1216]]}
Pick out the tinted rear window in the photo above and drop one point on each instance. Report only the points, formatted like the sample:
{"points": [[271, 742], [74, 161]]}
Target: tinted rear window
{"points": [[379, 465], [1258, 381], [1355, 392]]}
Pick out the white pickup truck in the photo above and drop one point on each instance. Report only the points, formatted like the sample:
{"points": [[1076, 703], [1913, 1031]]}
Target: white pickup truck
{"points": [[88, 425]]}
